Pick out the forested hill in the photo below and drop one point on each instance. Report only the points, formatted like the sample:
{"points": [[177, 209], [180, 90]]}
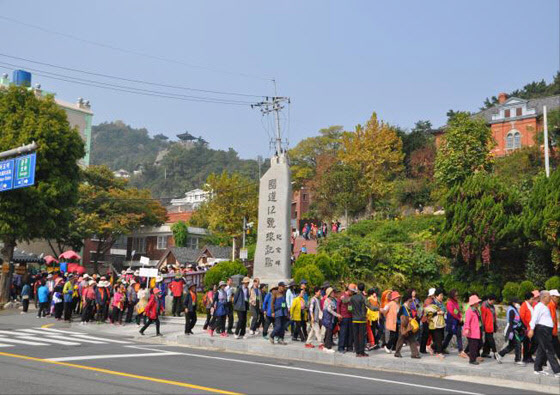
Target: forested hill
{"points": [[120, 146], [181, 168]]}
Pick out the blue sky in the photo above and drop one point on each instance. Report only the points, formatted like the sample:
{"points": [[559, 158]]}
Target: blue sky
{"points": [[338, 60]]}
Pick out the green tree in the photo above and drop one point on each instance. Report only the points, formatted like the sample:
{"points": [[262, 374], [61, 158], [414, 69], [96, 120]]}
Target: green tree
{"points": [[232, 198], [464, 150], [107, 209], [542, 215], [42, 210], [305, 157], [339, 192], [482, 216], [376, 151], [180, 231]]}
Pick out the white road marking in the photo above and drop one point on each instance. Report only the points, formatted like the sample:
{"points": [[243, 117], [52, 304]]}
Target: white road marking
{"points": [[85, 336], [76, 338], [48, 340], [54, 335], [59, 331], [327, 373], [27, 343], [6, 345], [112, 356]]}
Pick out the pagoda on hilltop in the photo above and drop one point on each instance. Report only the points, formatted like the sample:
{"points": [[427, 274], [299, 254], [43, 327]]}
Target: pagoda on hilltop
{"points": [[189, 140]]}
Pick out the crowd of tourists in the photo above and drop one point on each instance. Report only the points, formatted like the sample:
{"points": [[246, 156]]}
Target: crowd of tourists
{"points": [[349, 320], [366, 320]]}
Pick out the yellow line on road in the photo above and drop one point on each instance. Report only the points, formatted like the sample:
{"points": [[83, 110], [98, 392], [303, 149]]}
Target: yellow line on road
{"points": [[122, 374], [46, 325]]}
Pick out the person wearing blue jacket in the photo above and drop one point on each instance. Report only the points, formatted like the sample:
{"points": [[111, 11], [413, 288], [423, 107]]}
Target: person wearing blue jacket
{"points": [[279, 314], [43, 296], [267, 309], [25, 295]]}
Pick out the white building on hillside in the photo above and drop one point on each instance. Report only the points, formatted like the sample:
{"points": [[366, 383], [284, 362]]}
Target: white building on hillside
{"points": [[192, 198]]}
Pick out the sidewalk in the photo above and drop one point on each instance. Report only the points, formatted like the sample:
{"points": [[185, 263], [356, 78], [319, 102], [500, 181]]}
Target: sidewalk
{"points": [[452, 367]]}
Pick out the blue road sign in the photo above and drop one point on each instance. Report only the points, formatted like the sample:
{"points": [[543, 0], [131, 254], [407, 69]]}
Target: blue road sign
{"points": [[6, 175], [24, 174]]}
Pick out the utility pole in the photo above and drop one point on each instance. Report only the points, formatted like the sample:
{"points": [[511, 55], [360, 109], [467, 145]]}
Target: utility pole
{"points": [[546, 155], [244, 231], [274, 104]]}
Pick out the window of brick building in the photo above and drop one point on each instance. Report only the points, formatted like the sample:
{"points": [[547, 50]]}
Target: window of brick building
{"points": [[161, 242], [518, 111], [513, 140], [506, 113]]}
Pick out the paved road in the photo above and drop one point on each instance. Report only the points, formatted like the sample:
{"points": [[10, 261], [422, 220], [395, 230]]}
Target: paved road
{"points": [[57, 359]]}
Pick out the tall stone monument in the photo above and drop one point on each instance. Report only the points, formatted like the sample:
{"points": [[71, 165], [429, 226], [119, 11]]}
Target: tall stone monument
{"points": [[272, 257]]}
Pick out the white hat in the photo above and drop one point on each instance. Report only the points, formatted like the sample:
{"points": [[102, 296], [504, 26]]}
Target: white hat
{"points": [[554, 292], [137, 273], [431, 292], [159, 279], [91, 282]]}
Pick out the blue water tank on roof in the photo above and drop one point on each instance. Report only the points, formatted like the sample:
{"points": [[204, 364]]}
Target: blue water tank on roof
{"points": [[22, 78]]}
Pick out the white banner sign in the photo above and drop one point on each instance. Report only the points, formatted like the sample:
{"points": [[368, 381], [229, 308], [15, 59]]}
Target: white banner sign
{"points": [[144, 260], [148, 272]]}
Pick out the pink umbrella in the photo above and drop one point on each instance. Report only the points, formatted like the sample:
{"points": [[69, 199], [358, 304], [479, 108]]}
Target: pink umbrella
{"points": [[75, 268], [70, 255], [49, 259]]}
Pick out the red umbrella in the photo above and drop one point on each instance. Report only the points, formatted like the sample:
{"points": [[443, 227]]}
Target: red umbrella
{"points": [[75, 268], [49, 259], [70, 255]]}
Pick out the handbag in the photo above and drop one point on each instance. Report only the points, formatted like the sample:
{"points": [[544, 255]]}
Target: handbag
{"points": [[413, 323]]}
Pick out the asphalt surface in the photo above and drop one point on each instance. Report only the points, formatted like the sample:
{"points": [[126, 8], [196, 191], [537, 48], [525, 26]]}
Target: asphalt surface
{"points": [[32, 361]]}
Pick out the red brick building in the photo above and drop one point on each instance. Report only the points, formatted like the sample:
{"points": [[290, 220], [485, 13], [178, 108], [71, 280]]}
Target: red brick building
{"points": [[301, 200], [515, 122]]}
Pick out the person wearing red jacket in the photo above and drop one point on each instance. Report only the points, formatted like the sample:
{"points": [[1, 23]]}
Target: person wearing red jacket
{"points": [[552, 306], [526, 313], [490, 326], [177, 286], [152, 311]]}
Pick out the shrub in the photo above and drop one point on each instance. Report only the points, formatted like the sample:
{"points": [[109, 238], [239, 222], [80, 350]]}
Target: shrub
{"points": [[553, 283], [493, 289], [524, 287], [311, 273], [510, 291], [222, 271], [304, 260], [325, 264], [537, 267]]}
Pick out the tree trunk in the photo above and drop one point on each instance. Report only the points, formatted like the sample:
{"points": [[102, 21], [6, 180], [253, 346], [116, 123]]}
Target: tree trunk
{"points": [[96, 260], [53, 249], [7, 253]]}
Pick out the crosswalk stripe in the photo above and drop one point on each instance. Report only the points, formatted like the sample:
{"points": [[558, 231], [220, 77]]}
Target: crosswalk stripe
{"points": [[27, 343], [100, 339], [48, 340], [77, 339], [59, 331], [54, 335]]}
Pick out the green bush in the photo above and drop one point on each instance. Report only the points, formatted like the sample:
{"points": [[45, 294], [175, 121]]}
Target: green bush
{"points": [[222, 271], [311, 273], [553, 283], [304, 260], [493, 289], [524, 287], [325, 264], [510, 291]]}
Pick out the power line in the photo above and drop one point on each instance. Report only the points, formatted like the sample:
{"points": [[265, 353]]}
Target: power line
{"points": [[129, 51], [128, 89], [130, 79]]}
